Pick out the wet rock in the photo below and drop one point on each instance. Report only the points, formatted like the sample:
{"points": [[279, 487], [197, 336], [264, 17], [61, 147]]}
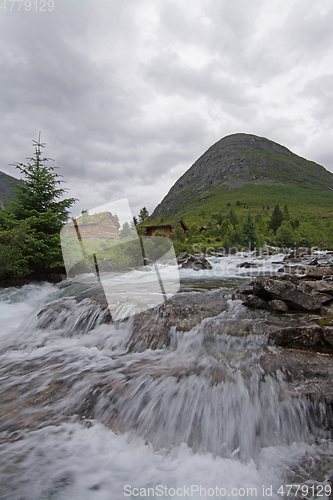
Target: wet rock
{"points": [[305, 336], [297, 270], [182, 257], [195, 262], [303, 251], [328, 309], [317, 286], [246, 290], [314, 262], [151, 329], [256, 302], [319, 272], [81, 267], [307, 373], [288, 292], [278, 305], [248, 265]]}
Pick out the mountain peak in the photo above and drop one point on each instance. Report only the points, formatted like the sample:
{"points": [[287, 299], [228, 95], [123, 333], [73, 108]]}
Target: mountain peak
{"points": [[239, 159]]}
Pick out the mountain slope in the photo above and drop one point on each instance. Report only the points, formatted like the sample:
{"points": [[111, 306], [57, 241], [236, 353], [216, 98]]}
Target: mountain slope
{"points": [[6, 189], [240, 164]]}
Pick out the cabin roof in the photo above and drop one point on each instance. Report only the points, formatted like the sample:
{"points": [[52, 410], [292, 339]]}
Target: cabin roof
{"points": [[166, 222], [87, 220]]}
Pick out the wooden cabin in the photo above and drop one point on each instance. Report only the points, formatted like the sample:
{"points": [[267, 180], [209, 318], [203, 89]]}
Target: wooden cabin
{"points": [[102, 225], [165, 226]]}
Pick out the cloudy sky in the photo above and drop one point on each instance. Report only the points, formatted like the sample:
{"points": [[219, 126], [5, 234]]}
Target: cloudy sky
{"points": [[129, 93]]}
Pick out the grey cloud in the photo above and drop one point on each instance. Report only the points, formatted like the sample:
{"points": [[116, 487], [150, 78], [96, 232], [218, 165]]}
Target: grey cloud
{"points": [[320, 91], [88, 77], [170, 76]]}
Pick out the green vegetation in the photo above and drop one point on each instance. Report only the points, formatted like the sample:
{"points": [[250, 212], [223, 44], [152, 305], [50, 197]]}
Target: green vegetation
{"points": [[30, 226], [239, 228]]}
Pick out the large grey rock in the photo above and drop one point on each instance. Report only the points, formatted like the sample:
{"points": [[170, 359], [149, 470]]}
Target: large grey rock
{"points": [[305, 336], [151, 329], [319, 272], [288, 292], [195, 262], [317, 286]]}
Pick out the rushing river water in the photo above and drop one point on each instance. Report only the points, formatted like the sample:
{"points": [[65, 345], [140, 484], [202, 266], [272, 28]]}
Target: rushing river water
{"points": [[82, 418]]}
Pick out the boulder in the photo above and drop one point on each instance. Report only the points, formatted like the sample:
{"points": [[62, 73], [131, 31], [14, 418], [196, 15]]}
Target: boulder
{"points": [[255, 302], [152, 329], [303, 251], [182, 257], [195, 262], [319, 272], [305, 336], [297, 270], [317, 286], [288, 292]]}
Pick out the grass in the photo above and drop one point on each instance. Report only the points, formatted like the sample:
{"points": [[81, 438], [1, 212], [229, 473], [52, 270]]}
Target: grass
{"points": [[303, 201]]}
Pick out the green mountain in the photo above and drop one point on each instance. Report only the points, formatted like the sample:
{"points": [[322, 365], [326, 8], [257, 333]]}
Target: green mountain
{"points": [[249, 171], [6, 189]]}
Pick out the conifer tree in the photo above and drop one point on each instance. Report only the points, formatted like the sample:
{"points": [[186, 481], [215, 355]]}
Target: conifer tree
{"points": [[249, 231], [39, 204], [143, 214], [40, 192], [276, 219]]}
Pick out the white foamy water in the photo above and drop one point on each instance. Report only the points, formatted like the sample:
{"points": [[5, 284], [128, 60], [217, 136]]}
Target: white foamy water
{"points": [[83, 418]]}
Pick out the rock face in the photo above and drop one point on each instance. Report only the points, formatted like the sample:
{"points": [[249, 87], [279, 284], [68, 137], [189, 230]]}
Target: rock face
{"points": [[237, 159]]}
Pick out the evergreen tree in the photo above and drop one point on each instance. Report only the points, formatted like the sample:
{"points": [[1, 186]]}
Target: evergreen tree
{"points": [[39, 205], [125, 231], [143, 214], [134, 223], [249, 231], [286, 215], [233, 217], [40, 191], [276, 219]]}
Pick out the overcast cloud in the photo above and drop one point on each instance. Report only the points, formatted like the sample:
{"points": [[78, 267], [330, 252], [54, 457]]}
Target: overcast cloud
{"points": [[129, 93]]}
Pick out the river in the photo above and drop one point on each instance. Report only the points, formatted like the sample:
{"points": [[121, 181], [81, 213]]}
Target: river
{"points": [[84, 418]]}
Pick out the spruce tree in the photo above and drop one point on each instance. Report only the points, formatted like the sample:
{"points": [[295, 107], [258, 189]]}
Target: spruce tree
{"points": [[39, 204], [143, 214], [249, 231], [276, 219], [40, 192]]}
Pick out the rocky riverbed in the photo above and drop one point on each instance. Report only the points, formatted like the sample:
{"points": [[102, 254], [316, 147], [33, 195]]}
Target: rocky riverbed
{"points": [[247, 382]]}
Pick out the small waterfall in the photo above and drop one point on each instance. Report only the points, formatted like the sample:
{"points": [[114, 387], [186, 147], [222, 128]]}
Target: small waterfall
{"points": [[64, 365]]}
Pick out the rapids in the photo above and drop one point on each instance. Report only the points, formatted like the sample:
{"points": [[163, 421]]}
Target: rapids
{"points": [[82, 417]]}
